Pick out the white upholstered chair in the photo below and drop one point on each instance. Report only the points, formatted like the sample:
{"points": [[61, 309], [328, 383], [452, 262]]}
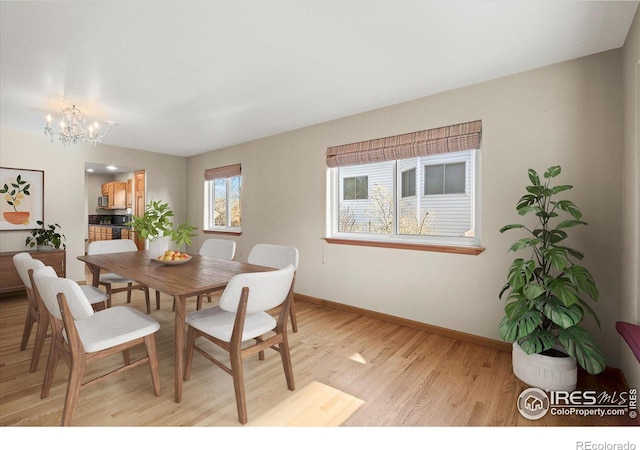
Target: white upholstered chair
{"points": [[241, 317], [109, 279], [277, 256], [25, 266], [81, 335], [219, 249]]}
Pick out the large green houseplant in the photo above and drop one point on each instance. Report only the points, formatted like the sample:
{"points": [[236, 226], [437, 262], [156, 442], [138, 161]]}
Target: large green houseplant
{"points": [[156, 223], [548, 293]]}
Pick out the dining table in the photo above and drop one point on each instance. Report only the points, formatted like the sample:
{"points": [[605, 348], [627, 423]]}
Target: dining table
{"points": [[188, 278]]}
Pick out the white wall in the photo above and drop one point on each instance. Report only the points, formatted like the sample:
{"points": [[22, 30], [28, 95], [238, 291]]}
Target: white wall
{"points": [[567, 114], [64, 183]]}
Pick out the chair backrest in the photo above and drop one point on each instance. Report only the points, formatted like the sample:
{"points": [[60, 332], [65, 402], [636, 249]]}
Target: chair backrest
{"points": [[219, 248], [267, 290], [49, 286], [112, 246], [23, 262], [272, 255]]}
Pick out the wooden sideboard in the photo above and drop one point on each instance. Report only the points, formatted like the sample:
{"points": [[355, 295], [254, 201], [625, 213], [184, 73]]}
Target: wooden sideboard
{"points": [[10, 280]]}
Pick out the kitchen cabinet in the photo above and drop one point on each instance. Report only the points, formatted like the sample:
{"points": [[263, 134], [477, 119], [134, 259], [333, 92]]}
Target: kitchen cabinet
{"points": [[117, 193], [10, 280], [104, 233], [129, 193]]}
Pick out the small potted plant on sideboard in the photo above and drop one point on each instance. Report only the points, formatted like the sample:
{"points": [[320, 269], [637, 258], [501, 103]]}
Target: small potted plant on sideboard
{"points": [[46, 238]]}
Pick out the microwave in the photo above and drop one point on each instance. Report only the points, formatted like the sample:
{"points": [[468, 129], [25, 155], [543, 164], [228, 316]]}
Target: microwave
{"points": [[103, 201]]}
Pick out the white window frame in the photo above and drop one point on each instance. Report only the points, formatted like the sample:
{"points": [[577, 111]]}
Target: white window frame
{"points": [[209, 198], [333, 205]]}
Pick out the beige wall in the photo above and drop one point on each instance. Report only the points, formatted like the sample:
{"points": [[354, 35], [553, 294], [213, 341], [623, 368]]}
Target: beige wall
{"points": [[64, 180], [630, 270], [568, 114]]}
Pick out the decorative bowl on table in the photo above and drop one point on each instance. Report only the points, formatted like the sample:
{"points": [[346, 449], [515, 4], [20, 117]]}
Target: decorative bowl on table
{"points": [[172, 258]]}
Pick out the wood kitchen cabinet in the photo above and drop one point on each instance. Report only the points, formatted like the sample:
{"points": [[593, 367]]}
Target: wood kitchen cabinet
{"points": [[117, 192], [10, 280], [129, 193]]}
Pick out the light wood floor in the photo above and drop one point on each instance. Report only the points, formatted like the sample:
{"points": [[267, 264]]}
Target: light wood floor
{"points": [[350, 370]]}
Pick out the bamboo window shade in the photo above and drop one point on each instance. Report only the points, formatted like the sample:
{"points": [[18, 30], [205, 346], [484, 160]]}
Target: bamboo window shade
{"points": [[222, 172], [454, 138]]}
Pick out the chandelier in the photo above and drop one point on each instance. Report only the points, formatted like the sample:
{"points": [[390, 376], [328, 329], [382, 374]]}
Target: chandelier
{"points": [[73, 128]]}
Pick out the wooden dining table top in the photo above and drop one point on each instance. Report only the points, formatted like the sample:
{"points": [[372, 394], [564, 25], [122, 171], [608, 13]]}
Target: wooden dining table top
{"points": [[199, 275]]}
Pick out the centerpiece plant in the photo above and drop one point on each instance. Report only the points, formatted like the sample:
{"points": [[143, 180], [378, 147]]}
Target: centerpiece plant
{"points": [[547, 291], [156, 222]]}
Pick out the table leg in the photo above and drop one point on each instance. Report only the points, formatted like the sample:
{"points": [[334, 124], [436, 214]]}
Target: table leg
{"points": [[181, 302], [95, 273]]}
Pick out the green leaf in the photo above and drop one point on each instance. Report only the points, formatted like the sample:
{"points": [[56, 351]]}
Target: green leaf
{"points": [[510, 227], [527, 209], [586, 306], [569, 207], [558, 189], [526, 200], [533, 177], [520, 273], [569, 224], [511, 329], [556, 256], [552, 171], [584, 348], [583, 279], [524, 243], [537, 341], [559, 314], [538, 191], [562, 288], [533, 290], [575, 253]]}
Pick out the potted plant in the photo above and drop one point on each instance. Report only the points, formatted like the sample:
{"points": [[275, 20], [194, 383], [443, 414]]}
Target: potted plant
{"points": [[155, 226], [46, 238], [548, 293]]}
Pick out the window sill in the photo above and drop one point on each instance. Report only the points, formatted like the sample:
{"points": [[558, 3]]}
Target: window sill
{"points": [[407, 246], [232, 233]]}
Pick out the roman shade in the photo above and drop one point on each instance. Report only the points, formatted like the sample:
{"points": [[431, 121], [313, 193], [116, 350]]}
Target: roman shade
{"points": [[454, 138], [222, 172]]}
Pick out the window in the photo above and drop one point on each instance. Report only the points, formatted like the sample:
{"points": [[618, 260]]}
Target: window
{"points": [[444, 179], [409, 183], [222, 190], [356, 188], [443, 211]]}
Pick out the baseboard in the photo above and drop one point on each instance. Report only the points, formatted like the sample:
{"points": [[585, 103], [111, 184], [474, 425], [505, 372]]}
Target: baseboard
{"points": [[453, 334]]}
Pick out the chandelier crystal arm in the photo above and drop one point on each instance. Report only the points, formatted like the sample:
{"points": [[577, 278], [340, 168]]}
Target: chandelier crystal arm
{"points": [[73, 128]]}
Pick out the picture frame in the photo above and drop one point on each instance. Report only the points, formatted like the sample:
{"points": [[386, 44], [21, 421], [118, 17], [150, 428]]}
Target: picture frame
{"points": [[21, 198]]}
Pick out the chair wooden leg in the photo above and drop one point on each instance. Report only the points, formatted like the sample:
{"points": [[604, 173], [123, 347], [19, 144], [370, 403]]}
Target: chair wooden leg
{"points": [[146, 299], [41, 335], [157, 299], [126, 356], [108, 295], [28, 326], [285, 355], [73, 389], [199, 302], [52, 364], [237, 372], [294, 318], [188, 357], [209, 297], [129, 293], [150, 342]]}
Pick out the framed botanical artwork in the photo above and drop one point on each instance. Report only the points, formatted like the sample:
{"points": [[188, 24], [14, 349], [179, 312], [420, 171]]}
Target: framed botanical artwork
{"points": [[21, 198]]}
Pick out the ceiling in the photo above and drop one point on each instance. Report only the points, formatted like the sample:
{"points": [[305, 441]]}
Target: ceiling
{"points": [[184, 77]]}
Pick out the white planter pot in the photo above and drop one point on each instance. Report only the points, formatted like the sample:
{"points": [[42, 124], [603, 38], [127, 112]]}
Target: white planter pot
{"points": [[45, 248], [545, 372], [158, 246]]}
